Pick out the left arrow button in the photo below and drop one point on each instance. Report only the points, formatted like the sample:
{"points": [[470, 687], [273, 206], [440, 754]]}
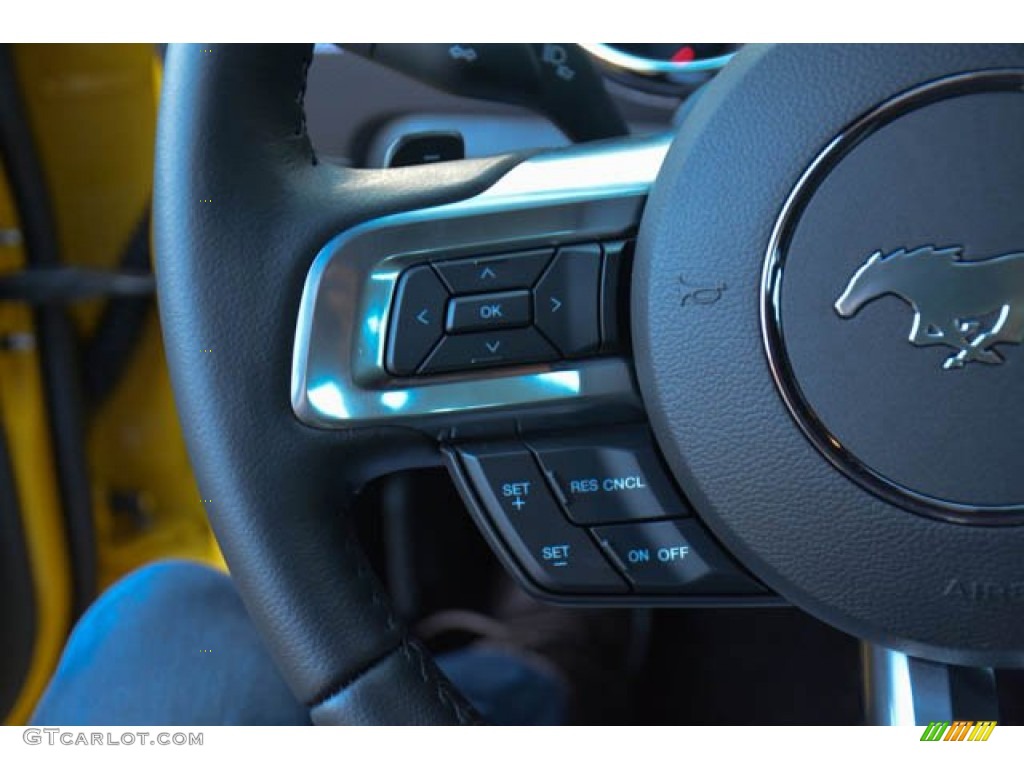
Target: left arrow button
{"points": [[417, 317]]}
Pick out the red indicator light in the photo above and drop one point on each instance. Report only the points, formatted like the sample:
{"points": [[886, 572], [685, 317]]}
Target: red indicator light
{"points": [[684, 55]]}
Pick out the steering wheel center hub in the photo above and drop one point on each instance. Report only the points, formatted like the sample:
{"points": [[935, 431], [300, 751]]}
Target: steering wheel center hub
{"points": [[907, 229]]}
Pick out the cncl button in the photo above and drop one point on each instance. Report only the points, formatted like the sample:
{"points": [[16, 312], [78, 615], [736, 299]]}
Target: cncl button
{"points": [[618, 480]]}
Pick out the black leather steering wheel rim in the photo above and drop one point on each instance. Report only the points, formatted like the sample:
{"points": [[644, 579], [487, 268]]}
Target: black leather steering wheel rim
{"points": [[240, 207]]}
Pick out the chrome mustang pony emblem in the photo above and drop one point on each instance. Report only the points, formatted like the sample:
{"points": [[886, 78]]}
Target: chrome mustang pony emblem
{"points": [[968, 305]]}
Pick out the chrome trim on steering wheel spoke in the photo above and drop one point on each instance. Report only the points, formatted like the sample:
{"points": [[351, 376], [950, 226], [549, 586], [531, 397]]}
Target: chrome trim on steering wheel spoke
{"points": [[904, 690], [577, 195]]}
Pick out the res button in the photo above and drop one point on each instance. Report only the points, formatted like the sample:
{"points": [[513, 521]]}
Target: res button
{"points": [[619, 478]]}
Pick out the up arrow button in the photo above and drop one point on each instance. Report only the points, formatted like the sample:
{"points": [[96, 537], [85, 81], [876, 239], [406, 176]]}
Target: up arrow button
{"points": [[493, 273]]}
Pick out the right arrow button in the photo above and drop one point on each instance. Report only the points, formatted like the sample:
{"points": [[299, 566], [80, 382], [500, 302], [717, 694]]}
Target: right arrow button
{"points": [[566, 300]]}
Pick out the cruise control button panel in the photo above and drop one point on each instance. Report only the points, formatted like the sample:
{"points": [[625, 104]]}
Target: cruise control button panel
{"points": [[558, 556], [655, 551], [673, 556], [617, 479], [532, 306]]}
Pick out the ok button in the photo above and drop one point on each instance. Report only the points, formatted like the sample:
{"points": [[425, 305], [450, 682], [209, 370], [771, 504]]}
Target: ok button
{"points": [[484, 311]]}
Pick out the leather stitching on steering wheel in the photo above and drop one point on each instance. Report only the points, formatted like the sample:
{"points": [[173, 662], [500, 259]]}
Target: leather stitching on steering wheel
{"points": [[366, 577], [450, 700], [409, 649]]}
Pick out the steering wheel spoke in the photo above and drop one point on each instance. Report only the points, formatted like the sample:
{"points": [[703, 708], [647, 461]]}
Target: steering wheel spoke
{"points": [[512, 301]]}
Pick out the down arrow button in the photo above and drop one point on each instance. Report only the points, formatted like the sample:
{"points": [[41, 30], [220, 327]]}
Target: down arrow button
{"points": [[566, 300]]}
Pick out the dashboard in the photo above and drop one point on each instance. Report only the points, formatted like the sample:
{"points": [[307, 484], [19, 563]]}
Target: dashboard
{"points": [[365, 113]]}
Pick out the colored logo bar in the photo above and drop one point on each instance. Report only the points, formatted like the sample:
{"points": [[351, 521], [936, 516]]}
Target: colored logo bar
{"points": [[959, 730]]}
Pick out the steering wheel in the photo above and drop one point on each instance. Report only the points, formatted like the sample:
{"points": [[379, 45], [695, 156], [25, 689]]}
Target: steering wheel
{"points": [[661, 372]]}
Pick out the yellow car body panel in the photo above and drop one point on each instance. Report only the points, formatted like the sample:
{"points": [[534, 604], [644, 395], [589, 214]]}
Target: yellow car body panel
{"points": [[25, 422], [92, 111]]}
